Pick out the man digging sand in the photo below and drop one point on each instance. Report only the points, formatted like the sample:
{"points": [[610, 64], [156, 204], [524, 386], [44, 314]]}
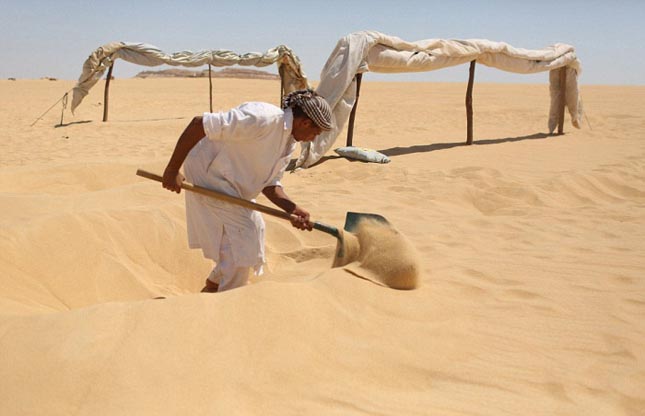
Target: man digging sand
{"points": [[242, 152]]}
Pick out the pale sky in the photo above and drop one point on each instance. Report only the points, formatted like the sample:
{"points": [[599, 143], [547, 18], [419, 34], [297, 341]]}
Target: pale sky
{"points": [[54, 37]]}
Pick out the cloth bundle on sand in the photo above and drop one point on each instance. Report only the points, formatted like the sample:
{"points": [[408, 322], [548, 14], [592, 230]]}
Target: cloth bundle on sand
{"points": [[143, 54], [365, 51]]}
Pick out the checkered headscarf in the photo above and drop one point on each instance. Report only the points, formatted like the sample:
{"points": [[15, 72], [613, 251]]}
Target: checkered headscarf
{"points": [[313, 105]]}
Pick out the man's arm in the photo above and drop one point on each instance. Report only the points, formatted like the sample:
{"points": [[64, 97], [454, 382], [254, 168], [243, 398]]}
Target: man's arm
{"points": [[277, 195], [299, 216], [193, 133]]}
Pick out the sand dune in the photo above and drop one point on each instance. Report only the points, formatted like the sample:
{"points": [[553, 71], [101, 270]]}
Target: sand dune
{"points": [[531, 295]]}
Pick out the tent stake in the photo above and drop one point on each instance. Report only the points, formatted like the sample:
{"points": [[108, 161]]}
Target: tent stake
{"points": [[106, 93], [469, 103], [62, 112], [352, 115], [210, 88], [563, 94]]}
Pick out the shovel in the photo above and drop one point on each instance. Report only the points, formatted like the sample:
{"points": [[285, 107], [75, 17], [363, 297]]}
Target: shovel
{"points": [[352, 219]]}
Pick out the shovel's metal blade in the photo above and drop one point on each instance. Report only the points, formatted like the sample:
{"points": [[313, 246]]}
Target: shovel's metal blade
{"points": [[353, 218]]}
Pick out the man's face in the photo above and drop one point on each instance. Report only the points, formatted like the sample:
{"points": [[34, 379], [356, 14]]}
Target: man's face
{"points": [[305, 130]]}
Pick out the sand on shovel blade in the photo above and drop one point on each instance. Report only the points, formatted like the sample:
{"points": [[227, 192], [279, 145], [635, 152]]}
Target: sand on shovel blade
{"points": [[379, 253]]}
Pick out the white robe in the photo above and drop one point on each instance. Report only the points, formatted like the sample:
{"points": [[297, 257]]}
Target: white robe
{"points": [[245, 150]]}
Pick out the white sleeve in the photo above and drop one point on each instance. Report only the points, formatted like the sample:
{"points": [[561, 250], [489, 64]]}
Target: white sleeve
{"points": [[276, 181], [231, 125]]}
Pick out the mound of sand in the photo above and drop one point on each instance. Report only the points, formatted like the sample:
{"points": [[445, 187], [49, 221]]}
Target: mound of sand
{"points": [[528, 270]]}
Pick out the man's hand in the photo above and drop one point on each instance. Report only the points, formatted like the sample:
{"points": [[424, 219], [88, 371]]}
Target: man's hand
{"points": [[172, 180], [300, 219]]}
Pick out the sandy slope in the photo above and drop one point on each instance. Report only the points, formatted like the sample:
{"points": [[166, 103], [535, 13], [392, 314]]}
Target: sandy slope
{"points": [[532, 296]]}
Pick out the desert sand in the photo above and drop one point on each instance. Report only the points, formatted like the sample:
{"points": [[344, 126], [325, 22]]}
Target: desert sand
{"points": [[531, 296]]}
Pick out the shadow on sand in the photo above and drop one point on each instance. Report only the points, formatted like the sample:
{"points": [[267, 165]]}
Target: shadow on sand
{"points": [[398, 151], [422, 148], [72, 123], [147, 119]]}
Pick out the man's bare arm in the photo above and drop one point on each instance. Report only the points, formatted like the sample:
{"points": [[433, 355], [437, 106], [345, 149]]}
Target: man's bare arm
{"points": [[193, 133]]}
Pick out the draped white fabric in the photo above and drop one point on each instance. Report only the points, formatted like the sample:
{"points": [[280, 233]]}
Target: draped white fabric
{"points": [[366, 51], [143, 54]]}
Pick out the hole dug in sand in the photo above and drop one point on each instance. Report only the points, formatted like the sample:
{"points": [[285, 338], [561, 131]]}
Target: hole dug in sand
{"points": [[379, 253]]}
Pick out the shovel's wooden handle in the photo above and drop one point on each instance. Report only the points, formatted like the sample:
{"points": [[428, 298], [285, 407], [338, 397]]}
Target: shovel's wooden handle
{"points": [[223, 197], [242, 202]]}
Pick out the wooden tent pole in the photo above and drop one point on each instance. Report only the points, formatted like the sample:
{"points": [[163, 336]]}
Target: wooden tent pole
{"points": [[469, 103], [106, 93], [563, 94], [210, 88], [352, 115]]}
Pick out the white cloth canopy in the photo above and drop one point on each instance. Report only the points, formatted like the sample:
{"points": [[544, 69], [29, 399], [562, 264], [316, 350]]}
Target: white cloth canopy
{"points": [[365, 51], [143, 54]]}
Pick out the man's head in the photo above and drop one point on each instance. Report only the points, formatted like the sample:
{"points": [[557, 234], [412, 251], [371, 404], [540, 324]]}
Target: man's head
{"points": [[311, 114]]}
